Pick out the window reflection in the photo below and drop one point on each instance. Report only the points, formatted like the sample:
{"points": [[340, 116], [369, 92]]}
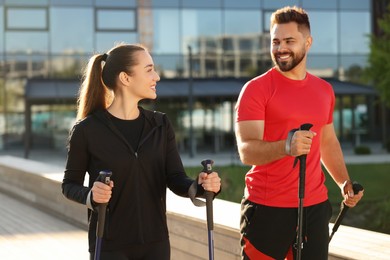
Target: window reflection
{"points": [[26, 18], [166, 41], [169, 66], [322, 65], [72, 2], [201, 29], [26, 2], [1, 30], [26, 42], [275, 4], [67, 66], [355, 38], [328, 4], [355, 4], [197, 24], [116, 20], [106, 40], [70, 35], [201, 3], [28, 66], [242, 22], [324, 31], [267, 20], [116, 3], [353, 66], [165, 3], [242, 3]]}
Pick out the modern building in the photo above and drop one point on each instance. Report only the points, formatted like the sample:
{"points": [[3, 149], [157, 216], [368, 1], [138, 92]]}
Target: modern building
{"points": [[205, 50]]}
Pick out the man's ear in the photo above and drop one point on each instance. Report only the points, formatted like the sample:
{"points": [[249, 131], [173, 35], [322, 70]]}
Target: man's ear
{"points": [[309, 42]]}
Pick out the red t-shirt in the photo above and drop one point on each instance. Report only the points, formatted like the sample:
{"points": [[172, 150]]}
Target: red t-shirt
{"points": [[285, 104]]}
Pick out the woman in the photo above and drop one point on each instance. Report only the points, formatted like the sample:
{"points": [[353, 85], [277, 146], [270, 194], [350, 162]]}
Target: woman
{"points": [[114, 133]]}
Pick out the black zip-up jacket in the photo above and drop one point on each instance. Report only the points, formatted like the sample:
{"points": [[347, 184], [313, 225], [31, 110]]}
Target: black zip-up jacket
{"points": [[137, 209]]}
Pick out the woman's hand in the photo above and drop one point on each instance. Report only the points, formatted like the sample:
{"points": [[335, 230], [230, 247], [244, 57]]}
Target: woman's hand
{"points": [[210, 182], [101, 192]]}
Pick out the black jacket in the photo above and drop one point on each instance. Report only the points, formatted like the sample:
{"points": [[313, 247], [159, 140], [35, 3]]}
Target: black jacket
{"points": [[137, 208]]}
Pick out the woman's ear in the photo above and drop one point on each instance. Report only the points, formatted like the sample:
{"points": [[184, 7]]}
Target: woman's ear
{"points": [[124, 78]]}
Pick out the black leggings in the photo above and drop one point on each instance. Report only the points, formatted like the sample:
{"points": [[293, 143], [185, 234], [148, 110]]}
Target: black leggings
{"points": [[270, 232], [152, 251]]}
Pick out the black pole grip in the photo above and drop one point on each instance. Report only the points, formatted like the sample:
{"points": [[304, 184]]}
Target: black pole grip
{"points": [[344, 208], [356, 187], [207, 168], [104, 177], [302, 165]]}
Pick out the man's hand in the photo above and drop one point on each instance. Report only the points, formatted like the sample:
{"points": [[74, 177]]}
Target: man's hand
{"points": [[350, 198], [301, 142]]}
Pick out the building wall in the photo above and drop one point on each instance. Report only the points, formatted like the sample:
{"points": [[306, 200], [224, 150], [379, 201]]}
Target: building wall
{"points": [[228, 38]]}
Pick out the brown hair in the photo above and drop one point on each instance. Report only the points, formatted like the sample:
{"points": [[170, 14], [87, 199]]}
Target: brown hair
{"points": [[99, 81], [291, 14]]}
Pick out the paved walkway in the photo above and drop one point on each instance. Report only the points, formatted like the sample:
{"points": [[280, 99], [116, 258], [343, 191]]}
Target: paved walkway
{"points": [[28, 233]]}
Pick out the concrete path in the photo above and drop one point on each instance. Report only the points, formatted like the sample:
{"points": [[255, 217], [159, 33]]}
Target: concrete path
{"points": [[28, 233]]}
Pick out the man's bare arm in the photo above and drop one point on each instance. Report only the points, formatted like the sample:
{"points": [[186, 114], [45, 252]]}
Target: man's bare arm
{"points": [[254, 150], [251, 147]]}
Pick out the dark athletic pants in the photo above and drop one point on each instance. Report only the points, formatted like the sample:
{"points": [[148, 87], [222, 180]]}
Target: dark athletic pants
{"points": [[152, 251], [270, 232]]}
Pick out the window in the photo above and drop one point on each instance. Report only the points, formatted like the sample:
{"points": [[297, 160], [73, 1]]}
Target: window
{"points": [[1, 30], [198, 25], [71, 2], [242, 3], [26, 2], [166, 37], [201, 3], [115, 20], [241, 22], [26, 42], [165, 3], [315, 4], [71, 35], [276, 4], [106, 40], [354, 39], [26, 19], [324, 31], [116, 3], [355, 4], [169, 66], [322, 65]]}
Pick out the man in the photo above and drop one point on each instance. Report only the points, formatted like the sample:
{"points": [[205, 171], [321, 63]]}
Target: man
{"points": [[268, 108]]}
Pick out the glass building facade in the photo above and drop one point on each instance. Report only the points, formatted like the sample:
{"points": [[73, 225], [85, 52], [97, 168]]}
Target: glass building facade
{"points": [[228, 38]]}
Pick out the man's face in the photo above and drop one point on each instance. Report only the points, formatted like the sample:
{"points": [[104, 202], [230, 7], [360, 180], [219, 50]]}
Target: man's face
{"points": [[288, 46]]}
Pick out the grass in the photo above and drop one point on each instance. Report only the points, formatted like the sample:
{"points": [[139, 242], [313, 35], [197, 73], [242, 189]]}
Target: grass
{"points": [[372, 213]]}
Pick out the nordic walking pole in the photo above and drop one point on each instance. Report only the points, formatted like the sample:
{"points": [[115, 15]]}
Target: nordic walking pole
{"points": [[343, 209], [207, 168], [301, 195], [105, 177]]}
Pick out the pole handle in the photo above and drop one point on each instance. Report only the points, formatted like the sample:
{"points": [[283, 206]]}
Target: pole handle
{"points": [[344, 208], [104, 177], [208, 168]]}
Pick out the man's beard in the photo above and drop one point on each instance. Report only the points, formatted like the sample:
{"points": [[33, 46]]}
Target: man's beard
{"points": [[291, 64]]}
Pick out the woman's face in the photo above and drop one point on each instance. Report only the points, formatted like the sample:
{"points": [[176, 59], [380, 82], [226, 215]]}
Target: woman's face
{"points": [[143, 79]]}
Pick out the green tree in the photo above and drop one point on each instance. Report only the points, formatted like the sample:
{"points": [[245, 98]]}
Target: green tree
{"points": [[377, 72]]}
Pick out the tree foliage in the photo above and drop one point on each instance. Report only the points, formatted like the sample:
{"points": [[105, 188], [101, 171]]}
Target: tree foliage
{"points": [[378, 70]]}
